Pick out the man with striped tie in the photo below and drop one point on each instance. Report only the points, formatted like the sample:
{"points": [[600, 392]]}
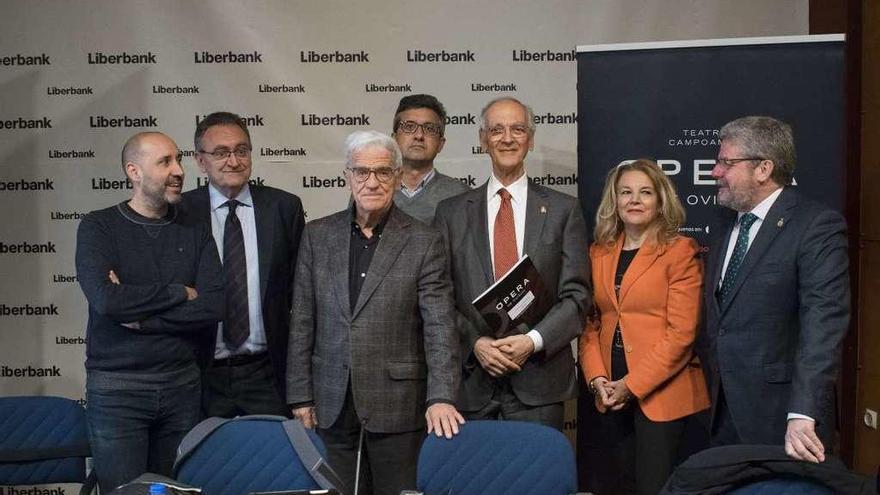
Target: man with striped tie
{"points": [[257, 230]]}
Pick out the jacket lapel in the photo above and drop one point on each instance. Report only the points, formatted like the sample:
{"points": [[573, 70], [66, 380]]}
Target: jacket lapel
{"points": [[718, 246], [647, 255], [607, 263], [479, 232], [264, 236], [536, 215], [202, 204], [394, 238], [340, 242], [771, 226]]}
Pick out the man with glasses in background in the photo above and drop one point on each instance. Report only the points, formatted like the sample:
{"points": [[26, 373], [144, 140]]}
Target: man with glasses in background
{"points": [[257, 230], [776, 297], [528, 375], [419, 128], [373, 355]]}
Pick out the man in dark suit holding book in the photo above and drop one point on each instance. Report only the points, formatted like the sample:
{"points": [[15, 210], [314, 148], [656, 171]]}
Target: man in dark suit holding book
{"points": [[528, 375]]}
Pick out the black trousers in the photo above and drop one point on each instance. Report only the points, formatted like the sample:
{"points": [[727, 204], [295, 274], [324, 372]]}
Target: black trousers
{"points": [[630, 453], [231, 388], [388, 460]]}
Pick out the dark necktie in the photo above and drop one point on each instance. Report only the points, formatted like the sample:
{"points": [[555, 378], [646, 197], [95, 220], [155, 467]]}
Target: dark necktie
{"points": [[504, 237], [739, 253], [236, 327]]}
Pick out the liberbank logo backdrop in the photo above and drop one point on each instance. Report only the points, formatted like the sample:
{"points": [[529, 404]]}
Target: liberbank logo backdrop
{"points": [[78, 78]]}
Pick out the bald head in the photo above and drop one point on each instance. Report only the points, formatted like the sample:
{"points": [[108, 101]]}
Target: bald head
{"points": [[133, 151]]}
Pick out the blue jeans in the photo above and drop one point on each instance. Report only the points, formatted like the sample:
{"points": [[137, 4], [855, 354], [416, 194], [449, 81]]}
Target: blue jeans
{"points": [[136, 422]]}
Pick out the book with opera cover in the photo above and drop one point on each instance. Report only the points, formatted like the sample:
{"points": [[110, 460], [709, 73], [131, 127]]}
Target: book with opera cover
{"points": [[519, 297]]}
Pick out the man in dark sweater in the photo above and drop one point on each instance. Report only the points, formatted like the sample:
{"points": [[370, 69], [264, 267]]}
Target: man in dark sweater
{"points": [[419, 125], [155, 290]]}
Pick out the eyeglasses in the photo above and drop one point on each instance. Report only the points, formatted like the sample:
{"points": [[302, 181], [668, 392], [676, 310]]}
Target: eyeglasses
{"points": [[729, 162], [429, 128], [362, 174], [518, 131], [221, 154]]}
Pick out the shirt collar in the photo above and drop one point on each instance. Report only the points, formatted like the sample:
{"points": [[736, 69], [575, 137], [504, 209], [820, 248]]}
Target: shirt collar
{"points": [[218, 199], [427, 178], [763, 207], [518, 189], [377, 230]]}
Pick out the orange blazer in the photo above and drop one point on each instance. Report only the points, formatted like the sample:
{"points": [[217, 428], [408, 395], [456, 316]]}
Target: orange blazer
{"points": [[658, 312]]}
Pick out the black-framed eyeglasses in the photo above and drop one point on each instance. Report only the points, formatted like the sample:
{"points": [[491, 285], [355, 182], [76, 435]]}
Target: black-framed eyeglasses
{"points": [[221, 154], [429, 128], [729, 162], [362, 174]]}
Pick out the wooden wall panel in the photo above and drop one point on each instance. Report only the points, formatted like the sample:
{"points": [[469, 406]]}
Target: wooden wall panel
{"points": [[867, 441]]}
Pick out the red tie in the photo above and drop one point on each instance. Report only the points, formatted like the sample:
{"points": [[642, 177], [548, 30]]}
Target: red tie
{"points": [[504, 236]]}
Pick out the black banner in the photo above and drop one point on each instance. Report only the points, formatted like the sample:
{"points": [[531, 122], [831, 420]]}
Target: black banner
{"points": [[667, 101]]}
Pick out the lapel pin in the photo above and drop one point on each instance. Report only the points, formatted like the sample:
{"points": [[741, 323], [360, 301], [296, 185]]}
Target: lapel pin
{"points": [[543, 209], [780, 223]]}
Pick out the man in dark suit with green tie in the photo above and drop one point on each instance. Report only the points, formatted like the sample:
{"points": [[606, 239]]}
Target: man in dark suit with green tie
{"points": [[776, 297]]}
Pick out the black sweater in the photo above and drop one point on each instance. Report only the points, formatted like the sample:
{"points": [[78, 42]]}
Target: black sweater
{"points": [[154, 260]]}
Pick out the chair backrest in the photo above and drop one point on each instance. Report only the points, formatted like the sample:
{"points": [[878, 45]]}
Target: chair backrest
{"points": [[784, 485], [250, 454], [42, 440], [497, 457]]}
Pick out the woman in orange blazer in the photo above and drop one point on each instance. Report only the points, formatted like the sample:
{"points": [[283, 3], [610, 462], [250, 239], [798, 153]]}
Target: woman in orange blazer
{"points": [[637, 352]]}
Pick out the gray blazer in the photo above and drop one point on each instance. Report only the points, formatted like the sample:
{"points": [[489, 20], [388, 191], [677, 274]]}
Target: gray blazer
{"points": [[397, 346], [556, 240], [774, 345]]}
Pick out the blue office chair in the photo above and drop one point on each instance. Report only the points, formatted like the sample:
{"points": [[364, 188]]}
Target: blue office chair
{"points": [[43, 440], [244, 455], [498, 457]]}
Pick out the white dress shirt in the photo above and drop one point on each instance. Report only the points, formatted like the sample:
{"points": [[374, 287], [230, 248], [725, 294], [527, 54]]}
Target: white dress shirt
{"points": [[519, 191], [256, 341], [759, 211]]}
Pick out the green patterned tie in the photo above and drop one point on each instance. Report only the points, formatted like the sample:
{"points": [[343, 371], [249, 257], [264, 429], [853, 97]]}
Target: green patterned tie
{"points": [[739, 254]]}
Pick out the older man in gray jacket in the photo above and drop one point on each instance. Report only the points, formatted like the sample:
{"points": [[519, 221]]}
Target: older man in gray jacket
{"points": [[373, 349]]}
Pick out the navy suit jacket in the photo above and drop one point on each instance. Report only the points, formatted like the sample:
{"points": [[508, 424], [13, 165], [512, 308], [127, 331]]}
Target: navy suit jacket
{"points": [[774, 345], [280, 220]]}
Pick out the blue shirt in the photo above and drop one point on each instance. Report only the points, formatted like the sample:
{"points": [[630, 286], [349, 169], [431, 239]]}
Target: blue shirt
{"points": [[256, 341]]}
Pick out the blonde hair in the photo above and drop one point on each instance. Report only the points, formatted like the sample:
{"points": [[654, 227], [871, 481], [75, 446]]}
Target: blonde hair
{"points": [[664, 227]]}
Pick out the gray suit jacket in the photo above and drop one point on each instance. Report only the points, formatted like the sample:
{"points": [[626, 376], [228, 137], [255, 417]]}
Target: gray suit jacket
{"points": [[398, 345], [556, 240], [774, 345]]}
